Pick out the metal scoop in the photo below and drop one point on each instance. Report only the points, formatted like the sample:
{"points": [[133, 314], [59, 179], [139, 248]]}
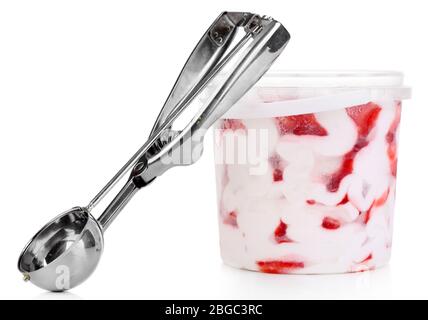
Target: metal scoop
{"points": [[66, 251]]}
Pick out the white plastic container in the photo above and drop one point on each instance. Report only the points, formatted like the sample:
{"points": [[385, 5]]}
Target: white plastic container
{"points": [[306, 170]]}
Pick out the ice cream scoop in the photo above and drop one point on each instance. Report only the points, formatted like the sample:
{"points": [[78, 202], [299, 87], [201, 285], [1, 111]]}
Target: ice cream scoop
{"points": [[66, 251]]}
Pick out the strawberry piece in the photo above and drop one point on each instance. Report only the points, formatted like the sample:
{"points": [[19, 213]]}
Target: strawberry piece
{"points": [[391, 135], [279, 266], [368, 215], [330, 223], [300, 125], [278, 168], [345, 169], [233, 124], [310, 202], [231, 219], [278, 175], [391, 140], [345, 200], [281, 233], [365, 117], [376, 203], [364, 265], [393, 165], [382, 200], [369, 257]]}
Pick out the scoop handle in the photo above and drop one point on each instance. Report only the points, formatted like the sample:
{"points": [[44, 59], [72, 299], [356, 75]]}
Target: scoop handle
{"points": [[199, 68], [204, 57], [117, 204]]}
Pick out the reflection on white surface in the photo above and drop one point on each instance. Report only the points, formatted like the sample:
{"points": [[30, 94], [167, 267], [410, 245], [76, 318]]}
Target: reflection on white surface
{"points": [[335, 286], [57, 296]]}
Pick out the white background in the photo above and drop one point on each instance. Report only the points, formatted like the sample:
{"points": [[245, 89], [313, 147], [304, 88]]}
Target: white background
{"points": [[81, 83]]}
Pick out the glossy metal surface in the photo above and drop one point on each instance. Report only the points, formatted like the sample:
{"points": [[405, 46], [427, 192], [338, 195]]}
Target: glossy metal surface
{"points": [[213, 51], [63, 253], [66, 251]]}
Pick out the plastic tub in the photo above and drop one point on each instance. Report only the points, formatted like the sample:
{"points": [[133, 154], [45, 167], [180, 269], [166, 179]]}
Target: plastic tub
{"points": [[306, 168]]}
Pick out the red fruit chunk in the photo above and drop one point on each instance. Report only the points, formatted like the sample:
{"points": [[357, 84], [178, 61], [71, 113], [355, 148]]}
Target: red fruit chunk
{"points": [[391, 139], [368, 215], [365, 117], [376, 203], [363, 265], [393, 166], [232, 124], [278, 168], [310, 202], [369, 257], [279, 266], [231, 219], [330, 223], [278, 175], [281, 233], [391, 134], [345, 169], [300, 125], [381, 201], [345, 200], [347, 166]]}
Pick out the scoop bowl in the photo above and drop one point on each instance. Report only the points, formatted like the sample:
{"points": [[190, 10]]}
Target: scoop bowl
{"points": [[64, 253]]}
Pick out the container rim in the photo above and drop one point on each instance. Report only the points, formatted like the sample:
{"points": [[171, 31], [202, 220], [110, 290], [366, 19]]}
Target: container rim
{"points": [[331, 79], [311, 91]]}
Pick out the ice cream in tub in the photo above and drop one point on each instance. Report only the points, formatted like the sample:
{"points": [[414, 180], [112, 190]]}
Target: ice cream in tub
{"points": [[306, 167]]}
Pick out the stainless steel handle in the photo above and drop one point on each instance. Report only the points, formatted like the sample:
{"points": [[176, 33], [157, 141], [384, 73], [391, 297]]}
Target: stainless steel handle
{"points": [[268, 39], [118, 203], [205, 56], [196, 73]]}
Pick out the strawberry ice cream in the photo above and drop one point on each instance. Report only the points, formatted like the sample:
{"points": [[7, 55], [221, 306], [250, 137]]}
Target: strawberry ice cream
{"points": [[322, 196]]}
